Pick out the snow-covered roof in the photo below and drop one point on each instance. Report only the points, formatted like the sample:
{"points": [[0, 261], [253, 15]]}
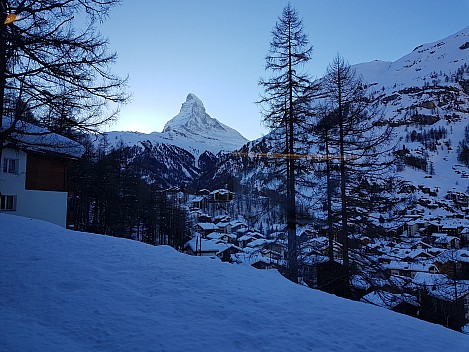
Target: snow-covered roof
{"points": [[441, 286], [419, 242], [460, 255], [418, 267], [265, 260], [446, 239], [359, 282], [219, 235], [260, 242], [207, 226], [242, 230], [245, 238], [402, 253], [454, 223], [215, 235], [389, 300], [435, 250], [439, 234], [220, 191], [256, 234], [223, 224], [203, 245], [236, 223], [37, 139], [253, 258], [225, 246]]}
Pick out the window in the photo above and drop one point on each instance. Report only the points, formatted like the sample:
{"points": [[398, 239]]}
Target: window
{"points": [[10, 166], [7, 202]]}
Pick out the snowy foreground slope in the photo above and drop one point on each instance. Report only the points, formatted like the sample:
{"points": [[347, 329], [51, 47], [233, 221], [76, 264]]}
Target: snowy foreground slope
{"points": [[68, 291]]}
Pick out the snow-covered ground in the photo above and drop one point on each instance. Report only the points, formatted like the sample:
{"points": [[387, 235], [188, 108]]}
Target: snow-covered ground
{"points": [[68, 291]]}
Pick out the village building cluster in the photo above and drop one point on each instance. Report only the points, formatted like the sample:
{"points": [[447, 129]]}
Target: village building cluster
{"points": [[422, 272]]}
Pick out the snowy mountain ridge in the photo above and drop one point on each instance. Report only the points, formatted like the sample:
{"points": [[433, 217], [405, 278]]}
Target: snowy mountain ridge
{"points": [[190, 144], [416, 68], [425, 91], [428, 90], [192, 129]]}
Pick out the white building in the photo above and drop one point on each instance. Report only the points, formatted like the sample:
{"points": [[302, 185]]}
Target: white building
{"points": [[33, 175]]}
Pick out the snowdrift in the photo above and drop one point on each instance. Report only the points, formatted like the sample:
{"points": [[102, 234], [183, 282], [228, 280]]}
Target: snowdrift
{"points": [[68, 291]]}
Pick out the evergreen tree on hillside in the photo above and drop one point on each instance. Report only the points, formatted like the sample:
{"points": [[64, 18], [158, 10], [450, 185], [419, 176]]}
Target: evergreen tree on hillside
{"points": [[463, 148], [112, 197]]}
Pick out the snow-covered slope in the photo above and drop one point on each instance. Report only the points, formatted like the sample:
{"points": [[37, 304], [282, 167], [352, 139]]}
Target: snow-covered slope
{"points": [[444, 56], [68, 291], [422, 92], [192, 129]]}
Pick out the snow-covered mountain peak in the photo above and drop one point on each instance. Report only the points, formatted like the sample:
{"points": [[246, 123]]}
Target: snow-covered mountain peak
{"points": [[175, 152], [193, 118], [194, 124], [422, 92], [192, 105], [191, 110], [192, 99]]}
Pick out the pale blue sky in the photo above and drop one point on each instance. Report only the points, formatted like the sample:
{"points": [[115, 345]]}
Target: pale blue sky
{"points": [[216, 48]]}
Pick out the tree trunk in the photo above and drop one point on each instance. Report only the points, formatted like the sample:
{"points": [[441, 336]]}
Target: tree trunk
{"points": [[3, 63], [343, 191], [329, 201], [291, 204]]}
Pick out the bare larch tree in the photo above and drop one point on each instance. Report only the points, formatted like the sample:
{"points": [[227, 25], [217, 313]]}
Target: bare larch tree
{"points": [[55, 67], [286, 106]]}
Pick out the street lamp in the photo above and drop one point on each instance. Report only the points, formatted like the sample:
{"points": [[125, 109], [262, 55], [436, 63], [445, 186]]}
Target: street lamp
{"points": [[10, 18]]}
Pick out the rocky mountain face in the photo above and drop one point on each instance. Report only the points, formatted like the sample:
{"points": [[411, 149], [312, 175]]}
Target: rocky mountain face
{"points": [[425, 96], [427, 85], [189, 145], [166, 165]]}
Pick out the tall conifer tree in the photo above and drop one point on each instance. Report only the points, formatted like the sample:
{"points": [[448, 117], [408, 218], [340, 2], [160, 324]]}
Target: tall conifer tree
{"points": [[286, 101]]}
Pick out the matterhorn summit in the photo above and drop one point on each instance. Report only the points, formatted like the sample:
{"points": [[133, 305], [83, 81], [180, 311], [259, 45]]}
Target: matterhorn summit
{"points": [[193, 123], [192, 118], [192, 130]]}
